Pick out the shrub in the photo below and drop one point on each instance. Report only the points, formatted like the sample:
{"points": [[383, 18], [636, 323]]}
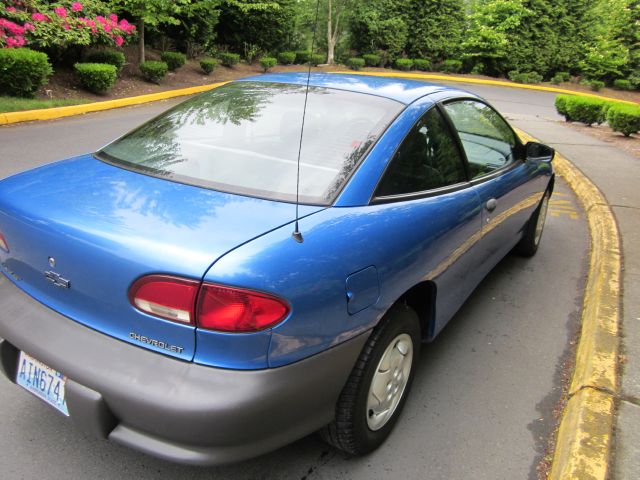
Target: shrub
{"points": [[229, 59], [478, 69], [208, 65], [565, 76], [634, 80], [154, 71], [624, 119], [451, 66], [355, 63], [596, 85], [422, 64], [268, 62], [404, 64], [318, 59], [251, 51], [96, 77], [525, 77], [622, 84], [23, 71], [303, 57], [287, 58], [107, 56], [561, 106], [174, 60], [587, 110], [557, 79], [372, 59]]}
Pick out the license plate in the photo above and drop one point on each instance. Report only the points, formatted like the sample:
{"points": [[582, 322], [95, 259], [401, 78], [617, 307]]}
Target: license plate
{"points": [[43, 381]]}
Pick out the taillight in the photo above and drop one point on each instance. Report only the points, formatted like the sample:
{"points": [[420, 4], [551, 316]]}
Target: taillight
{"points": [[236, 310], [217, 307], [166, 297], [3, 243]]}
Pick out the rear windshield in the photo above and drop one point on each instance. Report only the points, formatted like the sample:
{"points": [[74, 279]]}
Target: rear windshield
{"points": [[244, 138]]}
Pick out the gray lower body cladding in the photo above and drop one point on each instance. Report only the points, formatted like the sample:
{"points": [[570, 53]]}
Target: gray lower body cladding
{"points": [[168, 408]]}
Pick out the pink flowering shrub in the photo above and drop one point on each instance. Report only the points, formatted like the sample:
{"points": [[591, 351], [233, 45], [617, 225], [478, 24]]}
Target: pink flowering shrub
{"points": [[43, 24]]}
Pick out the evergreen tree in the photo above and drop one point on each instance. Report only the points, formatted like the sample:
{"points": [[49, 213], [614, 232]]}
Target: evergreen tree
{"points": [[434, 29]]}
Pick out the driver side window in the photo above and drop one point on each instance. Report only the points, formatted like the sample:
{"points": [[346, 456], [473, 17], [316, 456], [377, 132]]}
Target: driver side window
{"points": [[487, 140]]}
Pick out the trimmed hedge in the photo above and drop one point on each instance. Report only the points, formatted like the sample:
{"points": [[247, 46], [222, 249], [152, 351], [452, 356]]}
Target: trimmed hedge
{"points": [[587, 110], [111, 57], [153, 71], [624, 119], [96, 77], [451, 66], [561, 106], [287, 58], [318, 59], [268, 62], [303, 56], [23, 71], [422, 64], [372, 59], [355, 63], [622, 84], [174, 60], [229, 59], [404, 64], [208, 65]]}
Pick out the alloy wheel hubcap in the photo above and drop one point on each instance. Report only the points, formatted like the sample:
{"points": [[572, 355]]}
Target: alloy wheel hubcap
{"points": [[541, 219], [389, 381]]}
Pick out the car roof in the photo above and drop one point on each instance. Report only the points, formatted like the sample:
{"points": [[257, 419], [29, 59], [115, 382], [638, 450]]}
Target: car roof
{"points": [[398, 89]]}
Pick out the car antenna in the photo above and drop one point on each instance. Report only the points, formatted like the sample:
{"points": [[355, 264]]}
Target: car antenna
{"points": [[297, 234]]}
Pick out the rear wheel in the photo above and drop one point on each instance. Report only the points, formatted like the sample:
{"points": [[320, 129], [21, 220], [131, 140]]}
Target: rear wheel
{"points": [[530, 242], [376, 391]]}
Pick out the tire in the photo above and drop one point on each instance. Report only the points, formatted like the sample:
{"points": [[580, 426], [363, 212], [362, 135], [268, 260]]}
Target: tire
{"points": [[355, 430], [530, 241]]}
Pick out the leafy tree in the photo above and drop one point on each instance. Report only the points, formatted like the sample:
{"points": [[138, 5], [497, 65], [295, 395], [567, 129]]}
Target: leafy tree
{"points": [[269, 25], [335, 12], [380, 25], [492, 31], [151, 13], [608, 57], [195, 32], [434, 28]]}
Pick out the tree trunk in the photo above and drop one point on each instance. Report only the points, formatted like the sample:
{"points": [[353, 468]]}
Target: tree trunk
{"points": [[140, 41], [331, 45]]}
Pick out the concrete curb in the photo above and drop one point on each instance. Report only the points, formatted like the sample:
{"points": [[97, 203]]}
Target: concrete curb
{"points": [[584, 442], [59, 112], [479, 81]]}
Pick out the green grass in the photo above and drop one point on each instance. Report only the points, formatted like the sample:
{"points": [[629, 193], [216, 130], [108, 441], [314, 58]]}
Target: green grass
{"points": [[13, 104]]}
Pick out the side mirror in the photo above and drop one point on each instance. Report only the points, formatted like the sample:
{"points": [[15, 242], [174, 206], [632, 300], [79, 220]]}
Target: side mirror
{"points": [[539, 152]]}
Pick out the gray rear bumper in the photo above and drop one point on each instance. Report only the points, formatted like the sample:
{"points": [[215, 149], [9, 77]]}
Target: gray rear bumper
{"points": [[168, 408]]}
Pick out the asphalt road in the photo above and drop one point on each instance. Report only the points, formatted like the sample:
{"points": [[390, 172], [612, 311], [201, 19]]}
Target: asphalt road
{"points": [[481, 405]]}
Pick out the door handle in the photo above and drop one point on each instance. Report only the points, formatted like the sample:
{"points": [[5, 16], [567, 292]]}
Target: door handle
{"points": [[491, 205]]}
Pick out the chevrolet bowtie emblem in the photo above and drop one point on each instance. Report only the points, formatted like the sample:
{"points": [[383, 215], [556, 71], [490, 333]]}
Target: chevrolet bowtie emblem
{"points": [[57, 280]]}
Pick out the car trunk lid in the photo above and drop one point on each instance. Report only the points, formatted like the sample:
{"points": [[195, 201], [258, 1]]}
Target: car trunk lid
{"points": [[80, 232]]}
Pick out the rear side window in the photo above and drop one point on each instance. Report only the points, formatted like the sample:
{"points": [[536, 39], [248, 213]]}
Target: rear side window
{"points": [[487, 140], [427, 159], [244, 137]]}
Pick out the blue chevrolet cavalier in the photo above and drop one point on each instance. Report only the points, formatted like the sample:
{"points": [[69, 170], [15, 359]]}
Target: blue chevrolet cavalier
{"points": [[221, 281]]}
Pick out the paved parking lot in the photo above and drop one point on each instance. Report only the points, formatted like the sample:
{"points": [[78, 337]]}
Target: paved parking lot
{"points": [[481, 405]]}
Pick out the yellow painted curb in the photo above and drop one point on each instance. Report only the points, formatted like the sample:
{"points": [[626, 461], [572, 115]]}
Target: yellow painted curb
{"points": [[480, 81], [59, 112], [583, 446], [584, 437]]}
